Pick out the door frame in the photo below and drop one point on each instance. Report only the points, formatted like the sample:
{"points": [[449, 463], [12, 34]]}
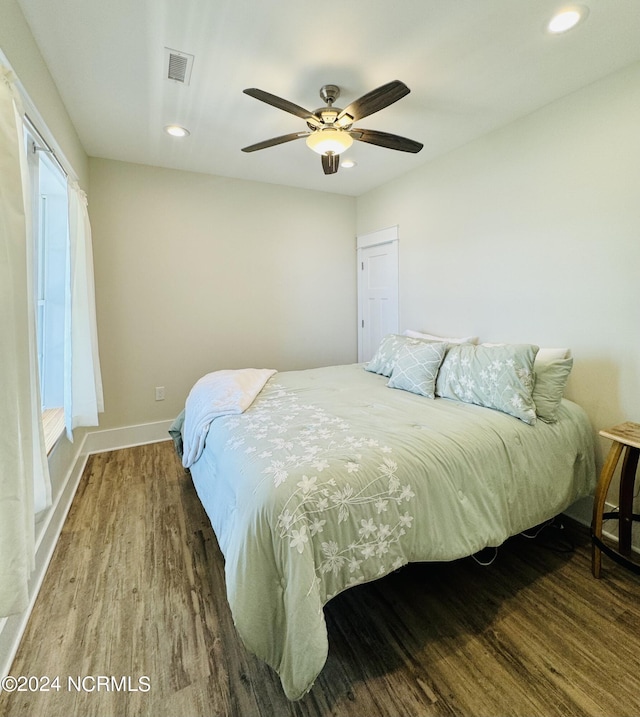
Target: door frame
{"points": [[365, 241]]}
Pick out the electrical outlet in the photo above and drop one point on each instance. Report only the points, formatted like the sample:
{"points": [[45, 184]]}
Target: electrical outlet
{"points": [[159, 393]]}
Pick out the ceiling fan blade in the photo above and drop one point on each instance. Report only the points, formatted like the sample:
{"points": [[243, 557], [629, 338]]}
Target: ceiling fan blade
{"points": [[330, 163], [375, 100], [275, 140], [283, 105], [384, 139]]}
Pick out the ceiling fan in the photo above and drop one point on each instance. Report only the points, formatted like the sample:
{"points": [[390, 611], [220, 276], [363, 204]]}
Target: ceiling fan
{"points": [[331, 129]]}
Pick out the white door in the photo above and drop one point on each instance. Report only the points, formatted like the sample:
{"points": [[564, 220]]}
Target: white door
{"points": [[377, 289]]}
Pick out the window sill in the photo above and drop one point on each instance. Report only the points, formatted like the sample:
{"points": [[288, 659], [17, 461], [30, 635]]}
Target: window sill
{"points": [[53, 426]]}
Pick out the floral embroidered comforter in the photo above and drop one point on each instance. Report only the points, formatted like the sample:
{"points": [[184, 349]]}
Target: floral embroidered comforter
{"points": [[330, 479]]}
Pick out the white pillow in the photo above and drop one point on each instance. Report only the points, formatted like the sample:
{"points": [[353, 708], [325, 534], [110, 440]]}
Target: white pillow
{"points": [[544, 355], [547, 355], [431, 337]]}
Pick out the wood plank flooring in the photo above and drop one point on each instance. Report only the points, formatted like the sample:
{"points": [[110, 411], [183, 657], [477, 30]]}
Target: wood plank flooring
{"points": [[136, 590]]}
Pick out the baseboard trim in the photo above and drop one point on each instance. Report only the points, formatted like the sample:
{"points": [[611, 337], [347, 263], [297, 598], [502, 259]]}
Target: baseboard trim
{"points": [[48, 529], [582, 512], [112, 439]]}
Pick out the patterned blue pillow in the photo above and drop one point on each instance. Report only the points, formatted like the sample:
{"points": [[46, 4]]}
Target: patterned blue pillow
{"points": [[388, 351], [416, 368], [499, 377]]}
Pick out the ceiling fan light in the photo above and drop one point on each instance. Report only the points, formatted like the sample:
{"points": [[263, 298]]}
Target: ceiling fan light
{"points": [[329, 140]]}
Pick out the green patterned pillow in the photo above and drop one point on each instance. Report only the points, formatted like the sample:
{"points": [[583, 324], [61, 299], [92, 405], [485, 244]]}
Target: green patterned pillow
{"points": [[416, 368], [499, 377], [387, 354]]}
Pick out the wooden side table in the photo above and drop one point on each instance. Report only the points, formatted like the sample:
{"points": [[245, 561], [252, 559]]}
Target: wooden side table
{"points": [[625, 437]]}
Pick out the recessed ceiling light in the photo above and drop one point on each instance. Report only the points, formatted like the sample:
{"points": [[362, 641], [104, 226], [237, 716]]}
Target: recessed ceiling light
{"points": [[348, 163], [176, 131], [566, 19]]}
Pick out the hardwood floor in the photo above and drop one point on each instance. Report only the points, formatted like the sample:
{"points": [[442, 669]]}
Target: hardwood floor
{"points": [[136, 590]]}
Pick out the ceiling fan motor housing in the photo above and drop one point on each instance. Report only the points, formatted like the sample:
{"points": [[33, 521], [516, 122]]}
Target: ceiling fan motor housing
{"points": [[329, 93], [327, 115]]}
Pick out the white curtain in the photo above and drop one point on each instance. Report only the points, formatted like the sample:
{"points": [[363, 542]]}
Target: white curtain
{"points": [[24, 477], [83, 398]]}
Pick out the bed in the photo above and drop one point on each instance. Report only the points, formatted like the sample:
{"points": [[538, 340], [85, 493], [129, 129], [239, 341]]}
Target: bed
{"points": [[329, 478]]}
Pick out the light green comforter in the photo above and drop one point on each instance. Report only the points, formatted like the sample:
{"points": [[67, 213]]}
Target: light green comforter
{"points": [[331, 479]]}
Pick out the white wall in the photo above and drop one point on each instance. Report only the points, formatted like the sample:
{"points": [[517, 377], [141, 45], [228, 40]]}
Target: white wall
{"points": [[532, 234], [196, 273]]}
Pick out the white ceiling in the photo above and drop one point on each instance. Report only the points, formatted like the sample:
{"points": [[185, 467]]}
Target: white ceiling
{"points": [[471, 65]]}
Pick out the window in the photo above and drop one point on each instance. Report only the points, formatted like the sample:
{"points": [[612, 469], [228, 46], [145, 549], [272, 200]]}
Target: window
{"points": [[49, 207]]}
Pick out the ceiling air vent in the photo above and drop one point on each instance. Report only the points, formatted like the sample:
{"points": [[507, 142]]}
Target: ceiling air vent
{"points": [[178, 66]]}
